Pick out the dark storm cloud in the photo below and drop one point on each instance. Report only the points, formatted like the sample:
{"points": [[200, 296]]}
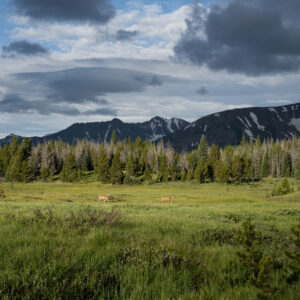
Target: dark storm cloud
{"points": [[15, 104], [202, 91], [125, 35], [82, 85], [93, 11], [253, 37], [24, 48]]}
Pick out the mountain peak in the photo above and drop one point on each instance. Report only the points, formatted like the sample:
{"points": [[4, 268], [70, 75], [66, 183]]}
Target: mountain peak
{"points": [[228, 127], [101, 132]]}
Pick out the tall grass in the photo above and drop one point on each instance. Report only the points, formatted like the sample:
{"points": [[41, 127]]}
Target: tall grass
{"points": [[58, 242]]}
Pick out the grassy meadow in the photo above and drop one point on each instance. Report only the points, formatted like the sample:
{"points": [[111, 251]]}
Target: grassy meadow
{"points": [[57, 241]]}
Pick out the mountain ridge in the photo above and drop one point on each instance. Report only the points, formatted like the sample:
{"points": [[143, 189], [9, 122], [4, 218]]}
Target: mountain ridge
{"points": [[221, 128], [100, 132], [228, 127]]}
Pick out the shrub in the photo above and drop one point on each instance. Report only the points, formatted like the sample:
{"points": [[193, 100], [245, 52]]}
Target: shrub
{"points": [[252, 267], [294, 255], [282, 189]]}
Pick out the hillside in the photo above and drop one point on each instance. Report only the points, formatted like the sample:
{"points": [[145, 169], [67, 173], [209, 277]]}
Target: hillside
{"points": [[101, 131], [228, 127]]}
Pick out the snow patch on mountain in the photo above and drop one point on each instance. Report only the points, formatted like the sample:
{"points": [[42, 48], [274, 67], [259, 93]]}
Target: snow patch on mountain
{"points": [[249, 133], [296, 123], [255, 120]]}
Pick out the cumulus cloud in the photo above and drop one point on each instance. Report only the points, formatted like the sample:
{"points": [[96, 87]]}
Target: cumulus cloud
{"points": [[92, 11], [13, 103], [253, 37], [23, 48], [126, 35], [82, 85]]}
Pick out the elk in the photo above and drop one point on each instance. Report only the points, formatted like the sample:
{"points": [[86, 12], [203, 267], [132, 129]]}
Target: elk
{"points": [[2, 194], [167, 199], [104, 198]]}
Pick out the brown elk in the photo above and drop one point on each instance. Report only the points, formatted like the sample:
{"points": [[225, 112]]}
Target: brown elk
{"points": [[104, 198], [167, 199], [2, 195]]}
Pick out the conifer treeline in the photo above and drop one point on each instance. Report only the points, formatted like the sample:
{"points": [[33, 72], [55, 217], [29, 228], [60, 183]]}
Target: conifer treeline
{"points": [[142, 161]]}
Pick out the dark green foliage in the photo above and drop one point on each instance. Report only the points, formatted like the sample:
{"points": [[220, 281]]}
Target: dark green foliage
{"points": [[222, 172], [163, 168], [45, 174], [282, 189], [200, 172], [265, 167], [116, 173], [203, 149], [286, 169], [147, 175], [103, 166], [130, 166], [297, 169], [113, 139], [241, 169], [293, 255], [190, 174], [254, 268], [183, 175], [70, 171], [247, 162]]}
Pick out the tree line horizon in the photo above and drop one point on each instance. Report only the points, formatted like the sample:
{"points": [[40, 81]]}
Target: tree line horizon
{"points": [[133, 162]]}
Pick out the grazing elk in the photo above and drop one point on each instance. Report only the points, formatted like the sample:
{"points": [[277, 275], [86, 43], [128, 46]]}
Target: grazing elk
{"points": [[167, 199], [2, 195], [104, 198]]}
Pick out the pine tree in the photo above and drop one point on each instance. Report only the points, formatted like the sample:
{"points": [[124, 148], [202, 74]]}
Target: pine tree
{"points": [[163, 167], [215, 154], [116, 173], [243, 140], [147, 174], [297, 169], [25, 172], [45, 174], [70, 172], [200, 172], [130, 166], [286, 169], [2, 171], [203, 149], [265, 167], [103, 166], [222, 172], [190, 174], [183, 175], [293, 255], [113, 139]]}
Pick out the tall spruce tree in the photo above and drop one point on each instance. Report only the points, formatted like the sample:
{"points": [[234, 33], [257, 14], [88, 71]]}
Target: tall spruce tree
{"points": [[265, 167], [163, 167], [116, 173], [203, 149], [200, 172], [130, 166], [103, 166]]}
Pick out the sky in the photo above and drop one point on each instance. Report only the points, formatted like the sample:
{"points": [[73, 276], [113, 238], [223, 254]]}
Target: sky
{"points": [[69, 61]]}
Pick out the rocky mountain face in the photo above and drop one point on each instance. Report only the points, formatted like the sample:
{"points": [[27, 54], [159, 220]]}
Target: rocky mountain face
{"points": [[228, 127], [102, 131], [223, 128]]}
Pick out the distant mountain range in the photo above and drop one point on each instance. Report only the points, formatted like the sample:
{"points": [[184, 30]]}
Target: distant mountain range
{"points": [[223, 128], [102, 131], [228, 127]]}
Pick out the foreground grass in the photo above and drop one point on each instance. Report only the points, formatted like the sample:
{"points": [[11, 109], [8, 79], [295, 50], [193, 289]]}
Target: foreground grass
{"points": [[54, 245]]}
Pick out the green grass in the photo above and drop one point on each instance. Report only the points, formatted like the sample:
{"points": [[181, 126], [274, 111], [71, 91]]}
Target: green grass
{"points": [[52, 246]]}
